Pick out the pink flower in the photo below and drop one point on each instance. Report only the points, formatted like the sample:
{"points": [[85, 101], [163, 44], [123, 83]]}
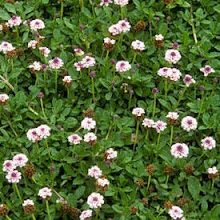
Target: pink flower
{"points": [[176, 212], [95, 200], [79, 65], [105, 2], [148, 123], [13, 176], [138, 112], [9, 165], [95, 172], [138, 45], [45, 193], [208, 143], [36, 66], [102, 182], [86, 214], [88, 123], [108, 40], [74, 139], [160, 126], [111, 154], [79, 52], [172, 56], [207, 70], [43, 131], [189, 123], [3, 98], [121, 2], [20, 160], [56, 63], [114, 30], [37, 24], [124, 26], [173, 115], [14, 21], [45, 51], [164, 72], [188, 80], [90, 137], [32, 135], [212, 170], [179, 150], [88, 61], [32, 44], [175, 75], [6, 47], [122, 66]]}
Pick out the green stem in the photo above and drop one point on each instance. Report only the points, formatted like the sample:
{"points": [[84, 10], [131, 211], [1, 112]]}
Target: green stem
{"points": [[8, 217], [193, 27], [12, 64], [9, 123], [136, 134], [97, 214], [61, 10], [171, 135], [93, 89], [201, 105], [42, 108], [166, 89], [167, 179], [56, 77], [134, 58], [180, 98], [48, 150], [122, 12], [158, 141], [146, 137], [16, 27], [17, 191], [106, 57], [37, 78], [213, 183], [68, 93], [148, 183], [48, 210], [155, 102], [33, 217]]}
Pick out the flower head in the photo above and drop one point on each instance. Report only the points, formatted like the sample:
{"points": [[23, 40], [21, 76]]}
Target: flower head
{"points": [[20, 160], [208, 143], [172, 56], [88, 123], [138, 113], [164, 72], [189, 123], [56, 63], [122, 66], [207, 70], [28, 202], [121, 2], [9, 165], [212, 170], [160, 126], [148, 123], [90, 138], [6, 47], [45, 193], [43, 131], [176, 212], [114, 30], [87, 214], [88, 61], [13, 176], [95, 172], [159, 37], [14, 21], [124, 26], [179, 150], [32, 44], [74, 139], [105, 2], [37, 24], [175, 75], [188, 80], [138, 46], [95, 200], [45, 51], [35, 66], [4, 99], [111, 154], [79, 52], [32, 135]]}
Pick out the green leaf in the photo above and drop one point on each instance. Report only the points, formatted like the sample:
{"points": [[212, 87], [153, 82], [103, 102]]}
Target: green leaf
{"points": [[194, 187]]}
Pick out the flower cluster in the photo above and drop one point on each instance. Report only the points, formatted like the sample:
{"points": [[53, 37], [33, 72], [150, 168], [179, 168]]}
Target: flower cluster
{"points": [[86, 62], [39, 133], [172, 74], [122, 26]]}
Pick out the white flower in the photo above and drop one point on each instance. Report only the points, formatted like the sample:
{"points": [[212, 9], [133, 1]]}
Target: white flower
{"points": [[79, 65], [111, 154], [79, 52], [114, 30], [32, 135], [160, 126], [164, 72], [138, 112], [148, 123], [207, 70], [212, 170], [173, 115], [37, 24], [36, 66], [3, 98], [43, 131], [56, 63], [13, 176], [108, 40], [9, 165], [122, 66], [45, 192], [105, 2], [159, 37], [95, 200], [175, 75], [88, 123], [20, 160], [14, 21], [90, 137], [121, 2], [6, 47], [189, 123], [95, 172], [172, 56], [86, 214], [138, 45], [88, 61], [32, 44], [176, 212], [179, 150], [1, 27], [124, 26], [103, 182], [74, 139], [208, 143], [45, 51], [67, 79], [188, 80], [28, 202]]}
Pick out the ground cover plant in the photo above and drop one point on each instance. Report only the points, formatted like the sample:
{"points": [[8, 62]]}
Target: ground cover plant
{"points": [[109, 109]]}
